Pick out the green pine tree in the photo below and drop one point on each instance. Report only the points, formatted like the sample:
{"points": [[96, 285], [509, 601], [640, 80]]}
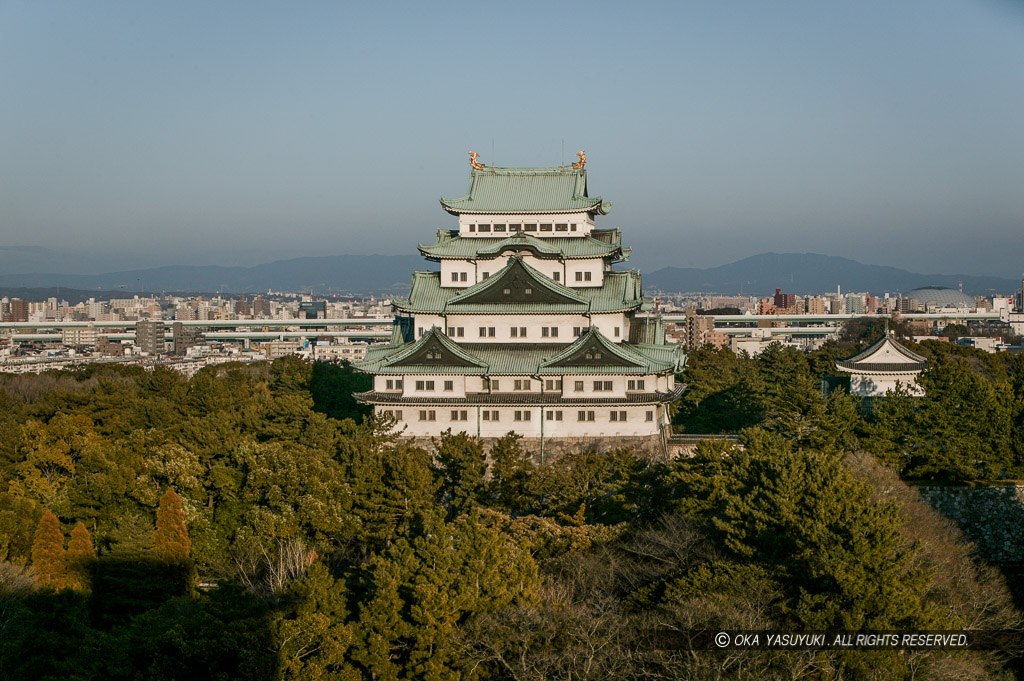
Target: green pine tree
{"points": [[48, 555], [461, 466]]}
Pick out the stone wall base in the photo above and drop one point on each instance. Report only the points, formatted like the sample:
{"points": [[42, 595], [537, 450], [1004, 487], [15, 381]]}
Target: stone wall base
{"points": [[553, 448], [991, 516]]}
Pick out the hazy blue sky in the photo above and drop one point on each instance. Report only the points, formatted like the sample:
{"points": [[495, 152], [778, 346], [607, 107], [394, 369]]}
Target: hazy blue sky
{"points": [[888, 131]]}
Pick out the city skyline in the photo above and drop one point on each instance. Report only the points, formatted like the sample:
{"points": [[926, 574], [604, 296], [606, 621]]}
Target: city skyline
{"points": [[235, 135]]}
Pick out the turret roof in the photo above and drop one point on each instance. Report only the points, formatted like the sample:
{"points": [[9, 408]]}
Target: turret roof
{"points": [[885, 356], [527, 190]]}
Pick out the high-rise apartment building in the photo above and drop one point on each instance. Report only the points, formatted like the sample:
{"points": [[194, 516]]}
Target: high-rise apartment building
{"points": [[149, 336]]}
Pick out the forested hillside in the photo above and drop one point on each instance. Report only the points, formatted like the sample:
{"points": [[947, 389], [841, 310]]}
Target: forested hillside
{"points": [[254, 523]]}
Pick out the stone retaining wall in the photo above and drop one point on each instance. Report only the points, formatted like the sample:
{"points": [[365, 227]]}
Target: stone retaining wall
{"points": [[555, 447], [992, 517]]}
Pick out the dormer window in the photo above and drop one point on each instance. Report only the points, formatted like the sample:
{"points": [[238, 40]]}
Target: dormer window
{"points": [[508, 291], [528, 291]]}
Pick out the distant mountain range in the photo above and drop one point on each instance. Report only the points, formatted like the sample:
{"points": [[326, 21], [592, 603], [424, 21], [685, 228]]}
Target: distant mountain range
{"points": [[811, 273], [800, 273], [362, 274]]}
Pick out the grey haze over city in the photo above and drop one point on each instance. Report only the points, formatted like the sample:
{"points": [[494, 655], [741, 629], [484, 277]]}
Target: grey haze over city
{"points": [[136, 136]]}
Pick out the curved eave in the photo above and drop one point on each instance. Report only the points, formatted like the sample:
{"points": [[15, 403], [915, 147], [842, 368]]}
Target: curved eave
{"points": [[616, 254], [512, 399], [902, 369], [597, 208], [581, 309]]}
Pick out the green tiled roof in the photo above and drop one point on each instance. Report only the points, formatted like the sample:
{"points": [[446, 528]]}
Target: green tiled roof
{"points": [[520, 283], [593, 352], [432, 351], [527, 190], [450, 245], [524, 398], [620, 291], [522, 359]]}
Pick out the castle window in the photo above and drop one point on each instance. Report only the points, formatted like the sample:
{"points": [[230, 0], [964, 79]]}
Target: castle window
{"points": [[556, 276], [554, 415], [460, 415], [545, 227], [579, 386], [455, 276], [508, 291], [617, 416], [528, 291], [472, 228], [586, 276], [573, 226], [428, 415], [484, 228], [521, 415], [561, 227], [616, 332], [514, 228], [489, 415], [485, 275], [579, 276], [449, 385], [650, 415], [464, 276], [577, 331], [499, 228], [529, 228], [584, 415]]}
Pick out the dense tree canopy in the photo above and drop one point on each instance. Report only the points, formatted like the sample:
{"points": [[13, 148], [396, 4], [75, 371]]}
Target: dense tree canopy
{"points": [[255, 523]]}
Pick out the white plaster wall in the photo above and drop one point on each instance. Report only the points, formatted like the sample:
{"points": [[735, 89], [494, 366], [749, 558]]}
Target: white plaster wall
{"points": [[503, 325], [607, 324], [583, 221], [595, 266], [409, 388], [636, 423], [877, 385], [423, 323]]}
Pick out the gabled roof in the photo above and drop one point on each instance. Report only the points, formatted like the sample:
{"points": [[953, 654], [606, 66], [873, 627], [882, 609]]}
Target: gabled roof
{"points": [[527, 190], [450, 245], [520, 359], [620, 291], [886, 356], [433, 350], [517, 283], [593, 350]]}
